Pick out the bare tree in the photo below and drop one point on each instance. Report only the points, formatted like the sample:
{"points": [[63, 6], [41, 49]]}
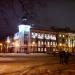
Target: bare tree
{"points": [[28, 5]]}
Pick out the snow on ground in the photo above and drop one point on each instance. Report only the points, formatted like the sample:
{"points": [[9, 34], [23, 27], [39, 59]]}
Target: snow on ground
{"points": [[36, 69], [34, 65]]}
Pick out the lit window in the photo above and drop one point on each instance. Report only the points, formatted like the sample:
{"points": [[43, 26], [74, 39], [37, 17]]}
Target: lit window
{"points": [[54, 44], [40, 36], [50, 36], [60, 35], [45, 50], [48, 43], [53, 49], [38, 49], [33, 35], [63, 35], [16, 44], [42, 42], [45, 42], [47, 36], [42, 49], [36, 34], [53, 37], [16, 36], [38, 43], [73, 44], [51, 43], [69, 40], [33, 43], [60, 44]]}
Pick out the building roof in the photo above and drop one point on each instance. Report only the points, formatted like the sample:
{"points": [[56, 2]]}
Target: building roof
{"points": [[54, 29]]}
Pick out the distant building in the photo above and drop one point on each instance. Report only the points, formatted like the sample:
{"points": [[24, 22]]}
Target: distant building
{"points": [[43, 40]]}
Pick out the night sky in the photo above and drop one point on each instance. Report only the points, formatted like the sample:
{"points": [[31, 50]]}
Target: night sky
{"points": [[39, 12]]}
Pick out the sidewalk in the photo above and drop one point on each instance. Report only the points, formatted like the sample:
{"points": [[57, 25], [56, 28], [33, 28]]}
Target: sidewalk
{"points": [[26, 57], [32, 56], [23, 54]]}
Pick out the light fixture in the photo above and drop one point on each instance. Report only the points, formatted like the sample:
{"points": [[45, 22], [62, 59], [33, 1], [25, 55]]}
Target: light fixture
{"points": [[24, 28]]}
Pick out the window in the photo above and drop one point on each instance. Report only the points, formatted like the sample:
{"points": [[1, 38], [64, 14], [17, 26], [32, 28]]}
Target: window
{"points": [[42, 42], [42, 49], [40, 36], [38, 49], [38, 43], [51, 43], [45, 50], [33, 35]]}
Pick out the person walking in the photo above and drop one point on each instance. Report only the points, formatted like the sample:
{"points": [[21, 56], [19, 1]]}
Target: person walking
{"points": [[61, 56], [66, 58]]}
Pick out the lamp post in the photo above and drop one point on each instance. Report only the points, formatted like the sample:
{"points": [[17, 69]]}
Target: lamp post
{"points": [[1, 47], [8, 42]]}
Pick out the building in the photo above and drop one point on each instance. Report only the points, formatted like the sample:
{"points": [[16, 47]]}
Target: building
{"points": [[42, 40], [38, 40]]}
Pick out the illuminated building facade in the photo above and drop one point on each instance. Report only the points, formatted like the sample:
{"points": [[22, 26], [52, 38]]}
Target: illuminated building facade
{"points": [[39, 40], [34, 40], [43, 41], [22, 39]]}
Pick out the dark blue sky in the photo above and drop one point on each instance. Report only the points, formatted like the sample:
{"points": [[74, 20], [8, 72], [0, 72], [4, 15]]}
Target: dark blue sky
{"points": [[58, 14], [40, 12]]}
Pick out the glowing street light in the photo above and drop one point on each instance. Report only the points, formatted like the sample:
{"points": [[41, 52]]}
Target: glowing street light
{"points": [[33, 43], [8, 40], [17, 45], [1, 45], [8, 43], [60, 44]]}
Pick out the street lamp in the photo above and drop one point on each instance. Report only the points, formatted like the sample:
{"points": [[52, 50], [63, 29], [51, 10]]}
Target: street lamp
{"points": [[8, 42], [60, 44], [17, 45], [1, 45]]}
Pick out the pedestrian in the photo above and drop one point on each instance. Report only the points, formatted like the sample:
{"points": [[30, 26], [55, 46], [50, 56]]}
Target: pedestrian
{"points": [[66, 58], [61, 56]]}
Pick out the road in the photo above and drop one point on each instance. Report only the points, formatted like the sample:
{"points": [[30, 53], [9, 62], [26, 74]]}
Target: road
{"points": [[34, 65]]}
